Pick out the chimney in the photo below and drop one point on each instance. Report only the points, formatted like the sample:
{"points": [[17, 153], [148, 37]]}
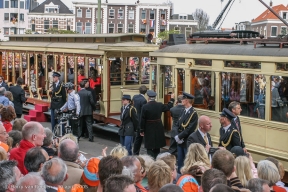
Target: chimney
{"points": [[271, 3]]}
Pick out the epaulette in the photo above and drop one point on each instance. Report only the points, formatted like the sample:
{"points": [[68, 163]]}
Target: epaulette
{"points": [[132, 107]]}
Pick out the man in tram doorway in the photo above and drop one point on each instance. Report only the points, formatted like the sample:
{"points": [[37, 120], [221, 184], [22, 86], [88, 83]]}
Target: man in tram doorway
{"points": [[58, 97], [138, 102], [3, 84], [151, 123], [186, 124], [129, 123], [229, 135], [235, 108]]}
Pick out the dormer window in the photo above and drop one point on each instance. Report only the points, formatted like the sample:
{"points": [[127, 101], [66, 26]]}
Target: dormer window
{"points": [[51, 8], [284, 15]]}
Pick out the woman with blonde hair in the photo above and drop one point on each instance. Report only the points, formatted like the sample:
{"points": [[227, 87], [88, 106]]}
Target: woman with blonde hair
{"points": [[196, 153], [243, 169], [119, 151]]}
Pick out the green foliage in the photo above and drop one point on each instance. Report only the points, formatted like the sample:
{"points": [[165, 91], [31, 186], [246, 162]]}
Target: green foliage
{"points": [[57, 31], [165, 34], [28, 31]]}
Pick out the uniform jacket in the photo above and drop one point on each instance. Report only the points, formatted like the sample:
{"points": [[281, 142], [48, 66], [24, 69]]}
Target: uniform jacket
{"points": [[225, 137], [87, 103], [58, 96], [4, 85], [183, 133], [129, 121], [196, 137], [233, 123], [151, 123], [74, 172], [138, 102], [175, 114], [18, 98]]}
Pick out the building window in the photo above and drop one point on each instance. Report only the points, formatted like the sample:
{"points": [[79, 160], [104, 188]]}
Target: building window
{"points": [[131, 14], [188, 31], [130, 28], [152, 14], [51, 9], [13, 30], [13, 17], [14, 3], [283, 31], [177, 29], [274, 31], [120, 28], [143, 14], [143, 28], [46, 25], [79, 27], [88, 13], [97, 14], [120, 14], [6, 31], [162, 28], [6, 16], [22, 5], [87, 28], [111, 28], [7, 6], [21, 17], [111, 13], [68, 27], [79, 12], [55, 24], [163, 14], [284, 15], [33, 27]]}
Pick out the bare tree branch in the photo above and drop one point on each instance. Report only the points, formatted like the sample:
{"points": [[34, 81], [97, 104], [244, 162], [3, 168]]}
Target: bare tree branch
{"points": [[202, 18]]}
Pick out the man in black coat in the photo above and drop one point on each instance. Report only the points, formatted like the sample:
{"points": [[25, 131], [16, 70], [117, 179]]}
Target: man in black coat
{"points": [[151, 124], [86, 113], [175, 114], [129, 123], [18, 97], [229, 135], [58, 97], [138, 102], [3, 84], [186, 124], [235, 108]]}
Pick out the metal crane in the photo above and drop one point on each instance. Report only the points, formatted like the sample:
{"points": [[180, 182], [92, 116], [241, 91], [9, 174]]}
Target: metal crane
{"points": [[220, 16]]}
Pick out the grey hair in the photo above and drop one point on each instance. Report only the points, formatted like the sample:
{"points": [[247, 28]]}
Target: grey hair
{"points": [[29, 129], [32, 182], [162, 155], [129, 166], [68, 150], [49, 137], [256, 184], [7, 174], [233, 105], [60, 176], [129, 171], [2, 90], [268, 171]]}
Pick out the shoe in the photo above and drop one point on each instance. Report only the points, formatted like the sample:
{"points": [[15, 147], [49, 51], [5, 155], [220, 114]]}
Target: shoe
{"points": [[92, 139]]}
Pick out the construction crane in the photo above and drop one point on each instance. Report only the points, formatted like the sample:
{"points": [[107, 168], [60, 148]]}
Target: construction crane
{"points": [[220, 16]]}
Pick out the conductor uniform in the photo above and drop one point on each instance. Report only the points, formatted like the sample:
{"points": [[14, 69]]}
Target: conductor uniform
{"points": [[229, 135], [236, 123], [151, 124]]}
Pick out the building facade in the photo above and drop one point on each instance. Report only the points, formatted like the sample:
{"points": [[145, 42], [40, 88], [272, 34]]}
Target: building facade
{"points": [[183, 23], [268, 24], [51, 14]]}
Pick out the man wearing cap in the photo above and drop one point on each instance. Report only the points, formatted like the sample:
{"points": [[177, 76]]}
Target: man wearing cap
{"points": [[58, 97], [151, 123], [129, 123], [186, 124], [229, 135]]}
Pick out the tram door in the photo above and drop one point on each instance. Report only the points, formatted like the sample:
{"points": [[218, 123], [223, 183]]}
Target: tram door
{"points": [[180, 81]]}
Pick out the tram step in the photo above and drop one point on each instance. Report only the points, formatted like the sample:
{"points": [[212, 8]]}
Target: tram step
{"points": [[30, 118], [104, 127], [40, 116], [40, 107]]}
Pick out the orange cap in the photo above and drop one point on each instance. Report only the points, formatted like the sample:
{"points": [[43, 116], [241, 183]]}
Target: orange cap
{"points": [[4, 146], [89, 175]]}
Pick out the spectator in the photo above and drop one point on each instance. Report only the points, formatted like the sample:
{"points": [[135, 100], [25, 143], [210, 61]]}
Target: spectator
{"points": [[243, 170], [268, 171], [120, 183], [281, 170], [119, 151], [33, 136], [9, 95], [3, 134], [31, 182], [48, 143], [69, 136], [18, 97], [148, 161], [170, 160], [221, 188], [191, 180], [258, 185], [54, 173], [90, 178], [170, 188], [10, 174], [68, 152], [3, 151], [159, 175], [10, 142], [132, 168], [142, 175], [16, 136], [212, 177], [7, 115], [18, 124], [3, 84], [35, 158], [3, 100]]}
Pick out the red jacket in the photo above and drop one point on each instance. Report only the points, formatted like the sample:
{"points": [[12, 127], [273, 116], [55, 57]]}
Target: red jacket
{"points": [[19, 153], [7, 125]]}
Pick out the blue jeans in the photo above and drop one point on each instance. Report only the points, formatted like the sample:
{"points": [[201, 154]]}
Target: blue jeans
{"points": [[53, 120], [127, 141], [181, 151]]}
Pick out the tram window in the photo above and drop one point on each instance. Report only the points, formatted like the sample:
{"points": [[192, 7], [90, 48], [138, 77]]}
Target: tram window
{"points": [[132, 71], [145, 70], [243, 64], [203, 89], [205, 62], [115, 71], [282, 66], [167, 76]]}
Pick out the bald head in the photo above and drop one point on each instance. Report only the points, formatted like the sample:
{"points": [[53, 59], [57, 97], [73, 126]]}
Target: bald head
{"points": [[68, 150], [205, 124], [27, 183], [34, 132]]}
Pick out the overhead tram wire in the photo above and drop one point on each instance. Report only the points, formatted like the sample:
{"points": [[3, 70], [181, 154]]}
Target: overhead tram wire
{"points": [[226, 14]]}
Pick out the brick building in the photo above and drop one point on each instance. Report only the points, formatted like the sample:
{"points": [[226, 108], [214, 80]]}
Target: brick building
{"points": [[183, 23]]}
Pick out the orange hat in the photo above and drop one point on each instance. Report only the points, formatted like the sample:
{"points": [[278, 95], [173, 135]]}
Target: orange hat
{"points": [[89, 175], [4, 146]]}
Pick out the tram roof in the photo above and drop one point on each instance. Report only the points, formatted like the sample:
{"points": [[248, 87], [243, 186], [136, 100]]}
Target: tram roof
{"points": [[78, 35]]}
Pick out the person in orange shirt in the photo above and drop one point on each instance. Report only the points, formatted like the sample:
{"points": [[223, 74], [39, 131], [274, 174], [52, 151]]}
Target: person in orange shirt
{"points": [[80, 77]]}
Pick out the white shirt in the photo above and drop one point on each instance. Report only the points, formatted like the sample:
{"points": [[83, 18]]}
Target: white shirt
{"points": [[57, 83], [227, 127], [187, 109], [202, 134]]}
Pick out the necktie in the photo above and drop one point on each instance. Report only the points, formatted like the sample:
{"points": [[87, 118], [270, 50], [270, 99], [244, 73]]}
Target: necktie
{"points": [[237, 124], [206, 140]]}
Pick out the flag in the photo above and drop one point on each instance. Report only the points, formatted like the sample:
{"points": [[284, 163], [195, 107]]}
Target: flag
{"points": [[151, 23]]}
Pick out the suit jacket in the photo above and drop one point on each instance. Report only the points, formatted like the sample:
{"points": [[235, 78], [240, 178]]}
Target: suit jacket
{"points": [[58, 96], [86, 102], [18, 98], [183, 133], [5, 85], [196, 137], [232, 133], [74, 172], [233, 123], [49, 189], [92, 92], [129, 124], [175, 113], [138, 102]]}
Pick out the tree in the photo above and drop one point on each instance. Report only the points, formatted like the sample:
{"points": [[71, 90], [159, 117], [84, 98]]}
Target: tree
{"points": [[202, 18], [28, 31], [164, 35], [284, 31], [57, 31]]}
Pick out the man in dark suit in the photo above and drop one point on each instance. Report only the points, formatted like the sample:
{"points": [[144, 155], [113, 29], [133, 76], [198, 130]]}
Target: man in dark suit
{"points": [[202, 135], [18, 97], [151, 124], [186, 124], [88, 88], [3, 84], [235, 108], [58, 98], [229, 135], [86, 113], [138, 101], [175, 113]]}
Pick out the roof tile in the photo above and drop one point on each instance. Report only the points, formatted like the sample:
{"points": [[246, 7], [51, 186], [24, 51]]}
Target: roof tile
{"points": [[266, 15]]}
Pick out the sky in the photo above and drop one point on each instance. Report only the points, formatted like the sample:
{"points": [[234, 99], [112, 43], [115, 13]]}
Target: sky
{"points": [[241, 10]]}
